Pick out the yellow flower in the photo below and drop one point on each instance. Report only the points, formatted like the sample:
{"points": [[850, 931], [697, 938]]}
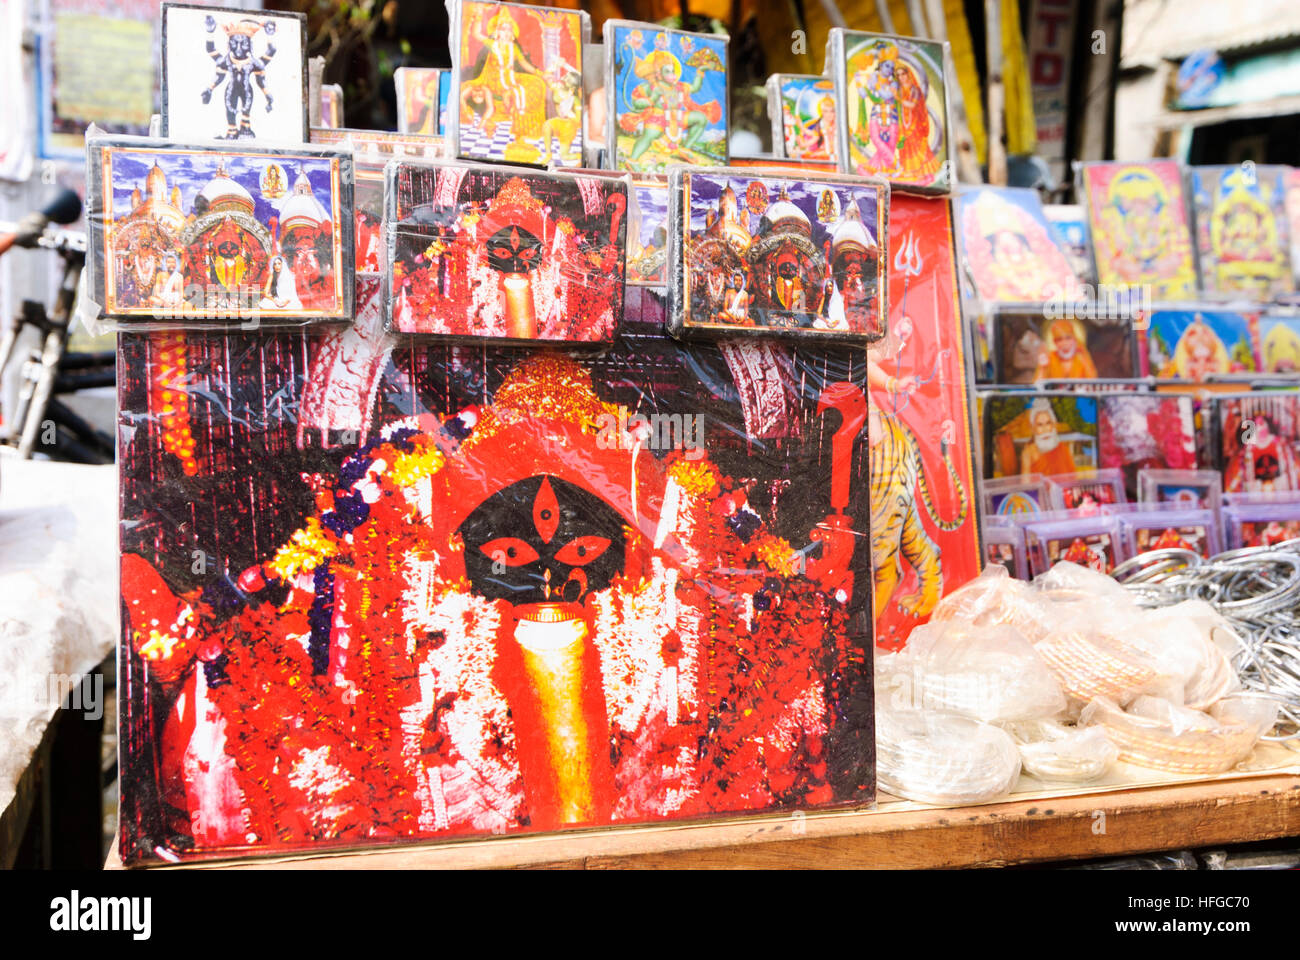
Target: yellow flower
{"points": [[776, 554], [697, 479], [305, 551], [409, 468]]}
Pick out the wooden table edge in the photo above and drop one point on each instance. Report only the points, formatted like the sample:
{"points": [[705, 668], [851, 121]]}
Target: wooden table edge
{"points": [[1107, 824]]}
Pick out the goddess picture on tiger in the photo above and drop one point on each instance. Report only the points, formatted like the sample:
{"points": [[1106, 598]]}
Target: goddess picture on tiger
{"points": [[898, 472]]}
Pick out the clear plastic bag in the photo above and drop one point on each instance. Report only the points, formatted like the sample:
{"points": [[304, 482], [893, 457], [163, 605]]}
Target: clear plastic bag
{"points": [[1055, 752], [1153, 732], [996, 597], [942, 758], [989, 673]]}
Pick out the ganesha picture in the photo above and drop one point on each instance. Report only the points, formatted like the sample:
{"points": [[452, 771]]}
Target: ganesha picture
{"points": [[490, 618]]}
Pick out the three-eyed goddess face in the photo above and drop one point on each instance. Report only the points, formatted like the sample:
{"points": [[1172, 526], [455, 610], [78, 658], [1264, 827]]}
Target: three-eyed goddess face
{"points": [[513, 249], [542, 540]]}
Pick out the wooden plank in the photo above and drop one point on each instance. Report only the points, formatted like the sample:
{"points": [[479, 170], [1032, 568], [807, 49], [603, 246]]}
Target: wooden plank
{"points": [[1021, 831]]}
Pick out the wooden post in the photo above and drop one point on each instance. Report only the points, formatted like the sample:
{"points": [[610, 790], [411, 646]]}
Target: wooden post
{"points": [[968, 167], [996, 93], [914, 13], [886, 18]]}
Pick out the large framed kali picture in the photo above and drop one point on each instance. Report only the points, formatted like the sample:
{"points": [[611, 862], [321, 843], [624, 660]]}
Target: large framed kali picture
{"points": [[199, 234], [231, 74], [516, 94], [505, 252], [768, 253], [525, 591]]}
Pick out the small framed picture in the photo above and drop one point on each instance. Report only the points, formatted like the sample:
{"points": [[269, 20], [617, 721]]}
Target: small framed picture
{"points": [[1137, 430], [1028, 432], [667, 98], [496, 252], [422, 99], [1159, 526], [1092, 542], [1009, 249], [892, 98], [1262, 524], [231, 74], [1017, 497], [802, 109], [1004, 543], [1086, 494], [760, 253], [1193, 489], [1259, 441]]}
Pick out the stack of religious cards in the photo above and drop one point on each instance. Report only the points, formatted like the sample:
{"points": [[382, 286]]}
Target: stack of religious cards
{"points": [[770, 253], [504, 253], [245, 235], [893, 108], [802, 110], [666, 97], [231, 74], [516, 93]]}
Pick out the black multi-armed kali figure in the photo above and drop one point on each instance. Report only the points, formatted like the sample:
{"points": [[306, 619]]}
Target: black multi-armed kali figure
{"points": [[238, 64]]}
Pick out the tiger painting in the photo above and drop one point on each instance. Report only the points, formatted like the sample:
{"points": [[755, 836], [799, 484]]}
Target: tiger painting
{"points": [[896, 528]]}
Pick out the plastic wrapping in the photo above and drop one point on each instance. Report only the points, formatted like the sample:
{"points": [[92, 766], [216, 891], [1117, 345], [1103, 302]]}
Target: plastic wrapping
{"points": [[516, 92], [1155, 733], [1137, 220], [943, 758], [1257, 441], [348, 611], [1057, 753], [1014, 256], [233, 75], [504, 253], [802, 110], [423, 94], [217, 235], [986, 672], [1028, 347], [666, 97], [1232, 263], [898, 86], [994, 597], [763, 254]]}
